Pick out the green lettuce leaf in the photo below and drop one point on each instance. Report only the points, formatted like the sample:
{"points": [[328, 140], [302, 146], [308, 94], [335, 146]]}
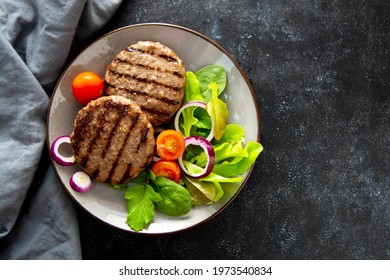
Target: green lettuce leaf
{"points": [[218, 111], [233, 133], [192, 88], [239, 165], [201, 192], [188, 120], [225, 150], [140, 205]]}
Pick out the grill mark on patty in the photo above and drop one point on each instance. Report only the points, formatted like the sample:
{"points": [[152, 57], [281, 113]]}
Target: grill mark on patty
{"points": [[142, 93], [143, 80], [150, 74], [149, 157], [108, 144], [110, 131], [97, 136], [155, 112], [146, 67], [79, 135], [101, 123], [164, 56], [134, 123], [108, 108], [143, 137], [128, 169]]}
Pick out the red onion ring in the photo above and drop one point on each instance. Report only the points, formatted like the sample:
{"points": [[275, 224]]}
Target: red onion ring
{"points": [[196, 104], [80, 182], [210, 154], [57, 157]]}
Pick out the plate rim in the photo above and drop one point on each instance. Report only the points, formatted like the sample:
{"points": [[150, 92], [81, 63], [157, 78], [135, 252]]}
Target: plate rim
{"points": [[153, 24]]}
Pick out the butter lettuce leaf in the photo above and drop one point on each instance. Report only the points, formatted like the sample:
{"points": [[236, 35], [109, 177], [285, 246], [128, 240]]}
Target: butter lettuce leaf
{"points": [[239, 165], [188, 120], [233, 133], [192, 88], [201, 192], [223, 151], [218, 111]]}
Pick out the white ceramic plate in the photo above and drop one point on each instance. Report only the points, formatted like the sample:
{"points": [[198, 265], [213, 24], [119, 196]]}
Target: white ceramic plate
{"points": [[196, 51]]}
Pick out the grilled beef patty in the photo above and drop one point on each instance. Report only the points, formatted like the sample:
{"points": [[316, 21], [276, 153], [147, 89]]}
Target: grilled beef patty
{"points": [[152, 75], [112, 139]]}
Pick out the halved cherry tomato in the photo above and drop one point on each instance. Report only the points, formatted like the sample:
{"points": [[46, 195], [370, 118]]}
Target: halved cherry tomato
{"points": [[87, 86], [168, 169], [170, 144]]}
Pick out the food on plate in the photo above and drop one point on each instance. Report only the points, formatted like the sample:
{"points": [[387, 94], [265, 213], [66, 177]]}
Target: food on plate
{"points": [[56, 153], [112, 139], [197, 155], [87, 86], [152, 75], [168, 169], [216, 155], [80, 182], [209, 153], [170, 144]]}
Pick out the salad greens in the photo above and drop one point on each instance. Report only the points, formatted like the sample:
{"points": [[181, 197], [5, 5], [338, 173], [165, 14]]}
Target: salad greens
{"points": [[176, 200], [148, 193], [218, 111], [212, 74], [233, 156], [140, 205]]}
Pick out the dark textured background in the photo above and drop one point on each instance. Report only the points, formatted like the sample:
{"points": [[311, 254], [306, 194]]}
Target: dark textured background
{"points": [[321, 188]]}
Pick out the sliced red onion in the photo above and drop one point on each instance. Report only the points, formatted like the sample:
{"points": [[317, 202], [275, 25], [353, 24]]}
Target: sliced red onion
{"points": [[80, 182], [54, 151], [192, 104], [209, 150]]}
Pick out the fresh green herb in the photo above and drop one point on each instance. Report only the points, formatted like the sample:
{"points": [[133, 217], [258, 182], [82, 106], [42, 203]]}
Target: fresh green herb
{"points": [[192, 88], [148, 193], [208, 75], [218, 112], [201, 192], [189, 120], [140, 205], [176, 200], [233, 133], [239, 165]]}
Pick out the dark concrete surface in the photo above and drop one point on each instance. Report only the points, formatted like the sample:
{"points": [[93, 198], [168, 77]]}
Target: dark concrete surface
{"points": [[321, 188]]}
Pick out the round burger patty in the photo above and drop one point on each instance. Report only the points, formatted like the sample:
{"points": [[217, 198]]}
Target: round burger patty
{"points": [[152, 75], [112, 139]]}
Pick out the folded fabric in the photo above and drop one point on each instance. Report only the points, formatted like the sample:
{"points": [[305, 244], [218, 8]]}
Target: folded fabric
{"points": [[35, 39]]}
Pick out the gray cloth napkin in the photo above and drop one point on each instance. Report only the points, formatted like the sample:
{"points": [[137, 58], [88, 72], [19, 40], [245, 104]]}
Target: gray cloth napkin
{"points": [[35, 40]]}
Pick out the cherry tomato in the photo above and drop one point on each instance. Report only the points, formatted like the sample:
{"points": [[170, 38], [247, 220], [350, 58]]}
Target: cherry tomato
{"points": [[170, 144], [168, 169], [87, 86]]}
